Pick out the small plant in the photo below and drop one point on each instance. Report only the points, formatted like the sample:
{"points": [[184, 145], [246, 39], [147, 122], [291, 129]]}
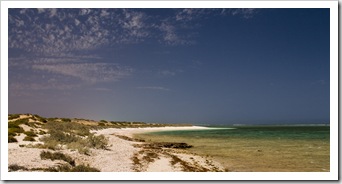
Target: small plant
{"points": [[11, 133], [102, 124], [39, 118], [33, 124], [80, 146], [41, 132], [16, 167], [62, 137], [66, 119], [13, 116], [30, 134], [67, 168], [84, 168], [12, 139], [98, 142], [29, 138], [52, 145], [20, 121]]}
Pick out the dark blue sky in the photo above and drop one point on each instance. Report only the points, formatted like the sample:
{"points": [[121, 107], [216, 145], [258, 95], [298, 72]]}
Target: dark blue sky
{"points": [[171, 65]]}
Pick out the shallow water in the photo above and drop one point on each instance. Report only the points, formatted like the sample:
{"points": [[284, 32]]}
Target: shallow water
{"points": [[258, 148]]}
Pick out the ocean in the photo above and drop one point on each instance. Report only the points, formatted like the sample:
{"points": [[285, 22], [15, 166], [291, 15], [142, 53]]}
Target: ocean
{"points": [[257, 148]]}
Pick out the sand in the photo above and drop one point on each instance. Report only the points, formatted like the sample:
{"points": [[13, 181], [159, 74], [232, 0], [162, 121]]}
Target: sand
{"points": [[121, 156]]}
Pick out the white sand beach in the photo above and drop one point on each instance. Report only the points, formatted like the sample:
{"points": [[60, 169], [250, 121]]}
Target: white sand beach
{"points": [[123, 154]]}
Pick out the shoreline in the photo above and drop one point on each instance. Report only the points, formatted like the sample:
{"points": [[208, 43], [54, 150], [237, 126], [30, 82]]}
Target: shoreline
{"points": [[152, 159], [124, 154]]}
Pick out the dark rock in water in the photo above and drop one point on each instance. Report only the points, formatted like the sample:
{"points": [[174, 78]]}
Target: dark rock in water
{"points": [[180, 145], [129, 138]]}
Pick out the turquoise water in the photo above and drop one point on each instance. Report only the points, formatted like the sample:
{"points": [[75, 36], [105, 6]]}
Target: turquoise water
{"points": [[257, 132], [258, 148]]}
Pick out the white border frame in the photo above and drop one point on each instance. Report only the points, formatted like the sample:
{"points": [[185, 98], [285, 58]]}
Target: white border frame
{"points": [[332, 175]]}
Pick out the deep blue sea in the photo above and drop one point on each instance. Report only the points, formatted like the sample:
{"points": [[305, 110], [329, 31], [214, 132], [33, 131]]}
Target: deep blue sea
{"points": [[258, 148]]}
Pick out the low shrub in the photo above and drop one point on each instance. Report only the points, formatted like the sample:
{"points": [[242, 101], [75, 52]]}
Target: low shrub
{"points": [[67, 168], [80, 146], [30, 134], [101, 124], [74, 136], [29, 138], [41, 132], [20, 121], [71, 127], [12, 139], [66, 119], [62, 137], [52, 145], [33, 124], [57, 156], [98, 142], [16, 167], [13, 116], [11, 133], [84, 168]]}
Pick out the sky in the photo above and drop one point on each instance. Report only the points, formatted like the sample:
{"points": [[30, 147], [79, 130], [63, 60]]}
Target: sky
{"points": [[200, 66]]}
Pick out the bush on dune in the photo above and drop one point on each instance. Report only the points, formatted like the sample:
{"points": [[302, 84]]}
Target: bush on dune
{"points": [[69, 127], [74, 136], [12, 139], [67, 168], [97, 142], [30, 133], [57, 156], [29, 138], [13, 116]]}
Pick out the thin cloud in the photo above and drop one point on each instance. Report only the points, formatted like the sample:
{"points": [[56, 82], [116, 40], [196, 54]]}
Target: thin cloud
{"points": [[167, 73], [246, 13], [54, 31], [87, 72], [158, 88]]}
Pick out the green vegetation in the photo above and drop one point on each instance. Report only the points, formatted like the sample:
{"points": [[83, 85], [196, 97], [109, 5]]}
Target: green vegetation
{"points": [[12, 139], [60, 168], [67, 168], [74, 136], [65, 119], [97, 142], [14, 129], [13, 116], [67, 127], [41, 132], [30, 134], [15, 167], [19, 121], [12, 132], [29, 138], [57, 156]]}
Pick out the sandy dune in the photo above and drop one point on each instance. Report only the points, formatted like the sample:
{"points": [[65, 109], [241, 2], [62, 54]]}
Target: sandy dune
{"points": [[121, 156]]}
